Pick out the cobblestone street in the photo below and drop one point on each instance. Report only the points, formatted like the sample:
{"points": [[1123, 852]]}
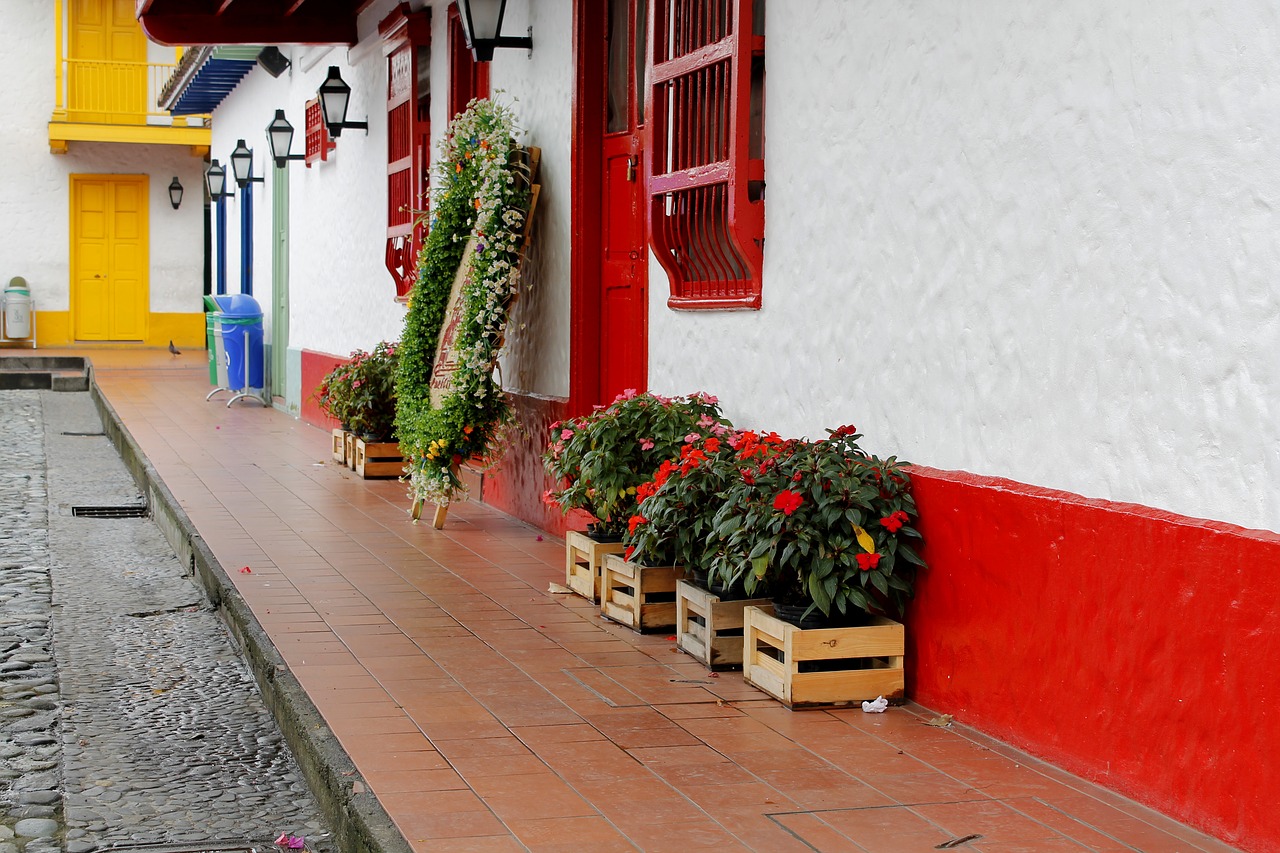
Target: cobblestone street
{"points": [[126, 716]]}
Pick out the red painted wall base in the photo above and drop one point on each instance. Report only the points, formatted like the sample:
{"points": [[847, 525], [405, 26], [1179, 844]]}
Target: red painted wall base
{"points": [[1133, 647], [517, 481], [315, 367]]}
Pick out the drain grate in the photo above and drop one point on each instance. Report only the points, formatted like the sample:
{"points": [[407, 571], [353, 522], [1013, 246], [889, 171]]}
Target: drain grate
{"points": [[85, 434], [129, 511]]}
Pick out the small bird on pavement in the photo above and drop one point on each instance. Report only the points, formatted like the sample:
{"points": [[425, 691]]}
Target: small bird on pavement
{"points": [[174, 350]]}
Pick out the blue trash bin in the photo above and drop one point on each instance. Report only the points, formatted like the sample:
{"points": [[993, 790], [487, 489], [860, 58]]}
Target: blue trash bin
{"points": [[241, 322]]}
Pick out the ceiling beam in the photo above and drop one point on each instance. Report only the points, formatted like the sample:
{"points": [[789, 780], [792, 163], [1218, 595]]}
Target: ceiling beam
{"points": [[332, 26]]}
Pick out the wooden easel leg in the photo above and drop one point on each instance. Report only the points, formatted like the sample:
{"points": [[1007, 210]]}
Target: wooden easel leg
{"points": [[416, 512], [441, 512]]}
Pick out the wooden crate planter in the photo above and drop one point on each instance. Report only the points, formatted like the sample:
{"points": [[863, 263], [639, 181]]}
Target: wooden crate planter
{"points": [[822, 666], [351, 450], [584, 561], [340, 446], [377, 459], [641, 597], [711, 629]]}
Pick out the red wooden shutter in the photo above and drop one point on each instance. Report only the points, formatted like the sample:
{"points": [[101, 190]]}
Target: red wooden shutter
{"points": [[467, 78], [706, 164], [400, 177], [408, 142], [318, 142]]}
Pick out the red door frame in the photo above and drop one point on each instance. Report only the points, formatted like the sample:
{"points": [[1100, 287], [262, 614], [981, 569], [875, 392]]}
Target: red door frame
{"points": [[590, 20]]}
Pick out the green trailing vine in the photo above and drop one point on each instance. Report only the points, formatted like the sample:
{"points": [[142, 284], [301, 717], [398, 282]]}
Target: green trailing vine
{"points": [[480, 191]]}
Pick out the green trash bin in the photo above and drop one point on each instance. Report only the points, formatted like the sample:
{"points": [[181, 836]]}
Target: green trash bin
{"points": [[210, 335]]}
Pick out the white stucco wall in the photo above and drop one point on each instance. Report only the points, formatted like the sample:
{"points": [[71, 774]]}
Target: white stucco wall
{"points": [[341, 296], [539, 88], [1034, 241], [35, 191]]}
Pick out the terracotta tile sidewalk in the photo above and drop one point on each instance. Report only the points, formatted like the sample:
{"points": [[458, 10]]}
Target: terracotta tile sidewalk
{"points": [[487, 714]]}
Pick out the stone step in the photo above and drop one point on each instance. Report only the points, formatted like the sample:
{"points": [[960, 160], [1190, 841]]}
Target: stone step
{"points": [[39, 373]]}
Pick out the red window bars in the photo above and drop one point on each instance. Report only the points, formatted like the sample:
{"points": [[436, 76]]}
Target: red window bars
{"points": [[408, 37], [318, 142], [706, 181]]}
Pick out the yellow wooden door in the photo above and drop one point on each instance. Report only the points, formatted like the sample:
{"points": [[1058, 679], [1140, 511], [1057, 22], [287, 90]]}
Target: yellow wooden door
{"points": [[107, 69], [109, 257]]}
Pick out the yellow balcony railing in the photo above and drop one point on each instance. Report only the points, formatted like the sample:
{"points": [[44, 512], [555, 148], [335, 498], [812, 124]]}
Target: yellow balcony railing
{"points": [[98, 92]]}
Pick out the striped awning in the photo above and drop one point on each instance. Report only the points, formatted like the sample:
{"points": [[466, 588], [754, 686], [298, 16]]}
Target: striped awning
{"points": [[205, 76]]}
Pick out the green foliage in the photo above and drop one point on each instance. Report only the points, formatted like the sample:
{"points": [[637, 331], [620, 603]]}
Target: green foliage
{"points": [[480, 191], [361, 394], [602, 458]]}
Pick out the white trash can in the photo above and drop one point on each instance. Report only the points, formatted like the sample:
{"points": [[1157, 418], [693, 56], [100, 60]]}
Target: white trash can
{"points": [[17, 309]]}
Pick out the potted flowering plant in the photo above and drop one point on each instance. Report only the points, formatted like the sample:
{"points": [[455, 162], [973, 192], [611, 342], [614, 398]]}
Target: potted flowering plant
{"points": [[600, 460], [361, 394], [826, 526], [676, 516]]}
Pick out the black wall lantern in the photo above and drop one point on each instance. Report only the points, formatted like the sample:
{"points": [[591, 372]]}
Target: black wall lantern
{"points": [[175, 193], [482, 27], [242, 164], [216, 179], [280, 140], [335, 95]]}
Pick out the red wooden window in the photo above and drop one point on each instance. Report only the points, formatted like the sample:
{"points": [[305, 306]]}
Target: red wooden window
{"points": [[467, 78], [408, 39], [318, 142], [706, 163]]}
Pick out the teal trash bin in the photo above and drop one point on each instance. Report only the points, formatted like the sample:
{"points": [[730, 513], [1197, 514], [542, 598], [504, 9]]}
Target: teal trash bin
{"points": [[213, 341], [241, 322]]}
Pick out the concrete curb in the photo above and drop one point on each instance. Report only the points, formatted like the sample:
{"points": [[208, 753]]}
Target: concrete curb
{"points": [[359, 822]]}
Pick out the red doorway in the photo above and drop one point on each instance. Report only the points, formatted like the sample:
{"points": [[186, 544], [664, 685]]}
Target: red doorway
{"points": [[611, 267]]}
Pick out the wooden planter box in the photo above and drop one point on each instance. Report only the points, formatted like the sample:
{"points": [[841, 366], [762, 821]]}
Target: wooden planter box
{"points": [[584, 558], [377, 459], [340, 446], [351, 450], [822, 666], [641, 597], [711, 629]]}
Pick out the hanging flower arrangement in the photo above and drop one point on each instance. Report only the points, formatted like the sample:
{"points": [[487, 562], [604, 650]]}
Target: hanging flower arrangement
{"points": [[480, 195]]}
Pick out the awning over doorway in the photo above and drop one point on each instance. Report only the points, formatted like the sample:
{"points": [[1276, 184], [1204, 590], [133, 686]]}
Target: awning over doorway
{"points": [[214, 22]]}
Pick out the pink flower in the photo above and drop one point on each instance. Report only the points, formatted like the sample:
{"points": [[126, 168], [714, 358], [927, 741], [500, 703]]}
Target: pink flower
{"points": [[706, 421], [566, 434], [646, 444], [691, 438]]}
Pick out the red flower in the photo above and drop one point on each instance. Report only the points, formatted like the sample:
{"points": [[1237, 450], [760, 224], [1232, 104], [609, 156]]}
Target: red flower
{"points": [[626, 555], [691, 460], [867, 562], [787, 501], [712, 445], [893, 523], [644, 491], [635, 521]]}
